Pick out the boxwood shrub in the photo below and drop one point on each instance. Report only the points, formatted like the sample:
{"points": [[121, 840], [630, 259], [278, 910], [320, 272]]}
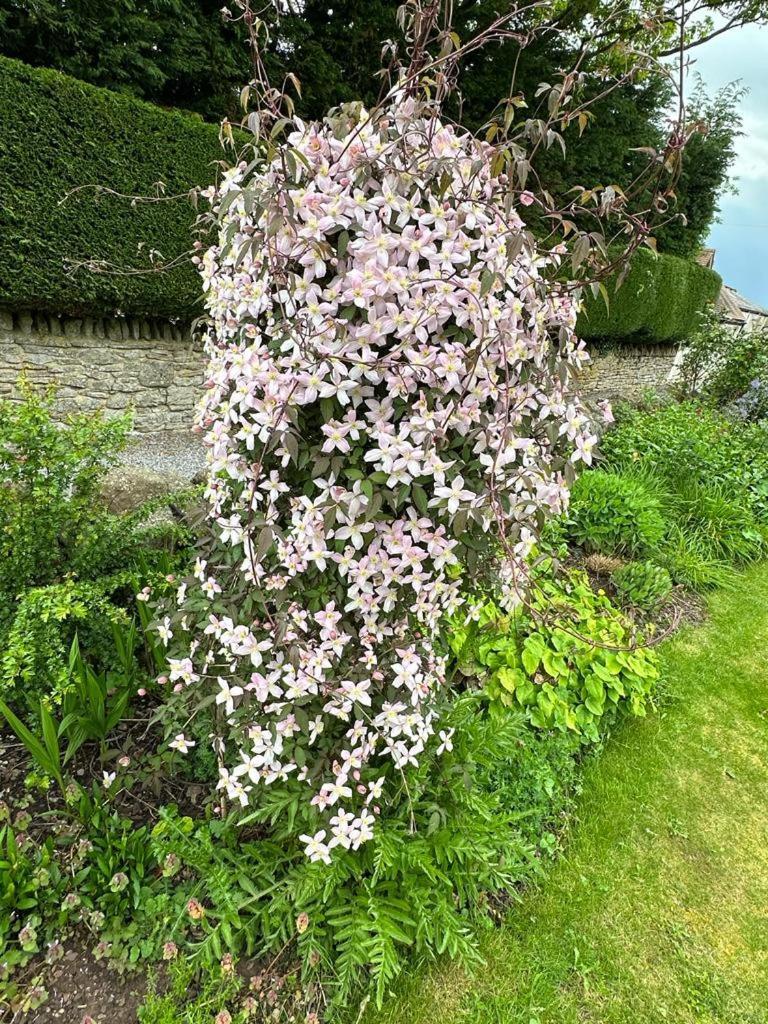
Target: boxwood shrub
{"points": [[661, 299], [58, 134]]}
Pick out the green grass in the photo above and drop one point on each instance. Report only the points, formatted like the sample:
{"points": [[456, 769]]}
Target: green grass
{"points": [[658, 910]]}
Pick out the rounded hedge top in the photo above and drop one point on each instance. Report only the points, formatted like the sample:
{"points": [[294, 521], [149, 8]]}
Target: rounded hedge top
{"points": [[661, 299]]}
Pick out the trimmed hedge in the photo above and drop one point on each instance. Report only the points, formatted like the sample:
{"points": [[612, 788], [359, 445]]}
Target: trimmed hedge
{"points": [[660, 300], [59, 133]]}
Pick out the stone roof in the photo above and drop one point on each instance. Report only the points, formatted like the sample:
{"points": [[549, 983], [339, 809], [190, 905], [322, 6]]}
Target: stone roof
{"points": [[747, 306], [706, 257], [728, 307]]}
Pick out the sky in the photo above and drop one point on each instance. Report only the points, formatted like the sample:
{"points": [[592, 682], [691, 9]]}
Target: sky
{"points": [[741, 237]]}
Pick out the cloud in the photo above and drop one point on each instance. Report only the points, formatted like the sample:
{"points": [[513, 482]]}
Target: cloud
{"points": [[751, 163], [741, 237]]}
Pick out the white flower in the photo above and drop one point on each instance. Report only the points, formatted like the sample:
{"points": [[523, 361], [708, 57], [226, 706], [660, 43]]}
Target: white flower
{"points": [[315, 848], [164, 631], [316, 727], [375, 789], [354, 532], [210, 588], [446, 736], [454, 496], [227, 694], [237, 791], [181, 743]]}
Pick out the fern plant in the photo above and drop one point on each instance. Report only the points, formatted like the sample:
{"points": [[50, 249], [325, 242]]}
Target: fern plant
{"points": [[473, 821]]}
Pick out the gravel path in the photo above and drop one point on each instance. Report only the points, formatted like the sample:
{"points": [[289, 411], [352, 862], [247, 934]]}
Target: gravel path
{"points": [[172, 453]]}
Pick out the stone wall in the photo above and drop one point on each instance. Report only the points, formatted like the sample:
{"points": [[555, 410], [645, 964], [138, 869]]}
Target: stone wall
{"points": [[149, 366], [152, 366], [628, 371]]}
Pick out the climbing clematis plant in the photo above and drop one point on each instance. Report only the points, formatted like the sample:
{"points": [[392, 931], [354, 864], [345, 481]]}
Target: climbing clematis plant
{"points": [[389, 404]]}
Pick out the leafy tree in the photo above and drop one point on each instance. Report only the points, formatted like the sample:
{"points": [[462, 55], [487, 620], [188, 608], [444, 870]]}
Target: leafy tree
{"points": [[335, 51], [172, 52], [704, 176]]}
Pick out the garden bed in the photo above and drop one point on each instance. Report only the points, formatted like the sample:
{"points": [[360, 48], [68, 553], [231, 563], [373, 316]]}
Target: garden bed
{"points": [[167, 887]]}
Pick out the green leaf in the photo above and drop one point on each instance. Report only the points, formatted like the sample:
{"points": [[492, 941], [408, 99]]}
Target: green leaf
{"points": [[50, 736], [594, 688], [531, 658], [31, 742], [526, 692], [595, 706], [509, 678], [420, 499]]}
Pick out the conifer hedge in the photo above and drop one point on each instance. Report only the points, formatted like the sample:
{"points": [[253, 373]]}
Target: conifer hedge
{"points": [[59, 134], [660, 300]]}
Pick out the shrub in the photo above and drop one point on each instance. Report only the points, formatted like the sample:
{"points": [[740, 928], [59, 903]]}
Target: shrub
{"points": [[51, 473], [382, 468], [614, 514], [727, 367], [60, 134], [36, 645], [642, 585], [661, 299], [566, 657], [677, 440], [67, 564]]}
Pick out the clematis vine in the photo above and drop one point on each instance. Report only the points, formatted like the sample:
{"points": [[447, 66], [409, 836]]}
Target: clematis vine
{"points": [[390, 400]]}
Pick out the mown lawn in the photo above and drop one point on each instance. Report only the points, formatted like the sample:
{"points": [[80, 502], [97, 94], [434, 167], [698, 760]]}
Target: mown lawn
{"points": [[658, 910]]}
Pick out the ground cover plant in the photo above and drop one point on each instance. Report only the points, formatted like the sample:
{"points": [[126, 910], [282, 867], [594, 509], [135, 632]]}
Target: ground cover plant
{"points": [[566, 657]]}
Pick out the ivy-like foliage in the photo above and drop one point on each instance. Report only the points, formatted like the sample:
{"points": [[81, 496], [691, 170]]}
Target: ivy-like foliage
{"points": [[567, 658], [389, 397]]}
